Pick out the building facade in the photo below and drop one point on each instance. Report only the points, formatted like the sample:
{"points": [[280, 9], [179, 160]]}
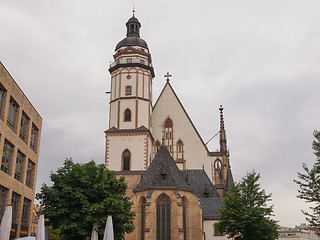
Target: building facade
{"points": [[175, 182], [20, 130], [302, 232]]}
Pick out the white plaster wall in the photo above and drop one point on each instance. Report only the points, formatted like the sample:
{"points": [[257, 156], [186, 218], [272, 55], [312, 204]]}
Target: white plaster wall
{"points": [[208, 226], [124, 104], [113, 114], [136, 146], [195, 152]]}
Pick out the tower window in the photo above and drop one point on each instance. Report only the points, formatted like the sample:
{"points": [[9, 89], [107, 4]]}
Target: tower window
{"points": [[126, 160], [127, 115], [128, 90], [163, 218], [129, 60]]}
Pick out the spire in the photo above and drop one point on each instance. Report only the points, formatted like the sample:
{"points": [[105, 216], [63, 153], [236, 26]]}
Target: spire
{"points": [[223, 137]]}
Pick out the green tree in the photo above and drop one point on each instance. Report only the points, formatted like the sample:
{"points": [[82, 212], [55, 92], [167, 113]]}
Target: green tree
{"points": [[84, 194], [309, 185], [245, 214]]}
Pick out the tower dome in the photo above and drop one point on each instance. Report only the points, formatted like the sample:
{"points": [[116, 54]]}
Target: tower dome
{"points": [[133, 35]]}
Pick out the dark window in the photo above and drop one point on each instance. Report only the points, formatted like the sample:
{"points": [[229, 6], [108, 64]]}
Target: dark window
{"points": [[128, 90], [12, 114], [7, 156], [15, 202], [143, 217], [156, 147], [129, 60], [19, 166], [34, 138], [142, 61], [127, 115], [24, 127], [126, 160], [184, 217], [163, 218], [30, 174], [2, 99], [3, 199], [26, 212]]}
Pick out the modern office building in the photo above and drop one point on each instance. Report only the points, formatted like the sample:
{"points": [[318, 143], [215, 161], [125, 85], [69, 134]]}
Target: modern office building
{"points": [[20, 129]]}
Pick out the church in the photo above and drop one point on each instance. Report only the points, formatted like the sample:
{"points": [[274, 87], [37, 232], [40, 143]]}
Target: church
{"points": [[175, 183]]}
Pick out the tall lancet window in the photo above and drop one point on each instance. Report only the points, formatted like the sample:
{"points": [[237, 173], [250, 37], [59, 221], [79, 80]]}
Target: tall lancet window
{"points": [[180, 150], [163, 218], [143, 217], [127, 115], [168, 135], [184, 217], [126, 160], [156, 147]]}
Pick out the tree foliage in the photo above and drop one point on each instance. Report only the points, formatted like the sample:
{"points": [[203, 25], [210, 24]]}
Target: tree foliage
{"points": [[245, 214], [309, 185], [83, 195]]}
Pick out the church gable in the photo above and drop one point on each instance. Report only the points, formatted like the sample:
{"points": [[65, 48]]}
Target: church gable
{"points": [[163, 173], [182, 139]]}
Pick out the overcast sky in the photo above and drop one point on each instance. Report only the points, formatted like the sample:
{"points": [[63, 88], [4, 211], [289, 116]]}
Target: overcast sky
{"points": [[260, 59]]}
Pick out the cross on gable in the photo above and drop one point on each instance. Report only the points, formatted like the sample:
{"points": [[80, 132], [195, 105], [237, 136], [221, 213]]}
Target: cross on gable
{"points": [[168, 76]]}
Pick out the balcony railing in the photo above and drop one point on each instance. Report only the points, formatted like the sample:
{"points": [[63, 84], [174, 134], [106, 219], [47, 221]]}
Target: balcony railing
{"points": [[131, 60]]}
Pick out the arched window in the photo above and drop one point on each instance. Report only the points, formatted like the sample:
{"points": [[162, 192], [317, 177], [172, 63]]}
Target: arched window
{"points": [[184, 217], [163, 218], [127, 115], [180, 150], [143, 217], [168, 135], [126, 160], [156, 147]]}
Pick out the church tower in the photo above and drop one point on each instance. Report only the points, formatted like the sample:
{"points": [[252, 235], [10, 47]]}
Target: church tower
{"points": [[129, 139]]}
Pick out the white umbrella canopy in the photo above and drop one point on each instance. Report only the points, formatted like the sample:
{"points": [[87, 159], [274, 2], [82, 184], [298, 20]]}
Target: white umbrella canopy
{"points": [[40, 229], [108, 232], [94, 234], [6, 222]]}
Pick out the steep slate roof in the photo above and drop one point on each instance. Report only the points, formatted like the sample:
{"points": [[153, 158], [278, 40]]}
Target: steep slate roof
{"points": [[211, 207], [200, 183], [163, 173]]}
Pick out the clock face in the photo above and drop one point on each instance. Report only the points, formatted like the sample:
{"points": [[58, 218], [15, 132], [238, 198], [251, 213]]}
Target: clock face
{"points": [[217, 164], [128, 76]]}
